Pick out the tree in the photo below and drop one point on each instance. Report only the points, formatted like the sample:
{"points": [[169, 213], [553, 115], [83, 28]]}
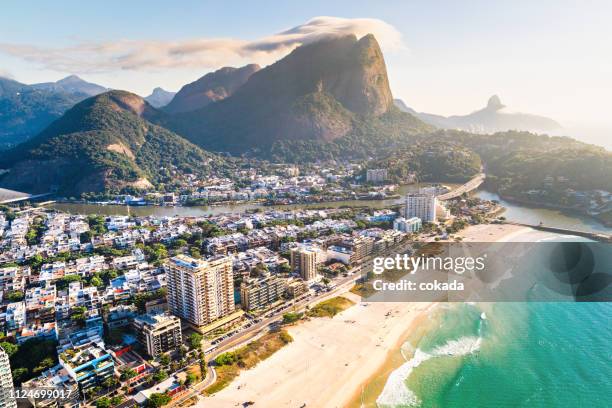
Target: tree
{"points": [[109, 382], [116, 400], [9, 348], [36, 261], [20, 374], [127, 373], [195, 340], [103, 402], [15, 296], [86, 237], [158, 400], [96, 281], [160, 376], [164, 359], [195, 253], [191, 379], [291, 317], [44, 364]]}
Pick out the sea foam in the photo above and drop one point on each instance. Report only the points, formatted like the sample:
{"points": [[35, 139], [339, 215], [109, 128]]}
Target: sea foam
{"points": [[397, 393]]}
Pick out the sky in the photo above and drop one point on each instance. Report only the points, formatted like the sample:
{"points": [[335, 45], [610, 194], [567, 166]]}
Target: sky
{"points": [[552, 58]]}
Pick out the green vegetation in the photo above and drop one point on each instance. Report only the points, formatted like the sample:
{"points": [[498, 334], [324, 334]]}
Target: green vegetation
{"points": [[291, 317], [158, 400], [160, 376], [26, 111], [97, 225], [31, 358], [330, 307], [195, 340], [140, 299], [15, 296], [229, 364], [103, 145], [103, 402]]}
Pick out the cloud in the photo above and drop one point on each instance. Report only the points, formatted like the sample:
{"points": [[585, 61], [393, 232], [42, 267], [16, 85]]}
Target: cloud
{"points": [[200, 52]]}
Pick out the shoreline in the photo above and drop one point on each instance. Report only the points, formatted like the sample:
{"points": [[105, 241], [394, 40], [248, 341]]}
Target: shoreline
{"points": [[332, 361], [327, 361], [378, 379]]}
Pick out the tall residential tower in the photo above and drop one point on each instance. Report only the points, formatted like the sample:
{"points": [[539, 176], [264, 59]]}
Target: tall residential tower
{"points": [[200, 291], [6, 382]]}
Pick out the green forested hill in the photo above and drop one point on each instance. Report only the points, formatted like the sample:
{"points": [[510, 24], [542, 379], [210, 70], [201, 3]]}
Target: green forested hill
{"points": [[25, 111], [105, 143]]}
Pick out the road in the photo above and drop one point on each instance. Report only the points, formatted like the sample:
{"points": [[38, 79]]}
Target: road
{"points": [[473, 184], [343, 285]]}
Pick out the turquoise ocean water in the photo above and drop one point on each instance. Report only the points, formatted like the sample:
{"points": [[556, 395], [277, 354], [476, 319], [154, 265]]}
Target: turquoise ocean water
{"points": [[513, 355], [539, 354]]}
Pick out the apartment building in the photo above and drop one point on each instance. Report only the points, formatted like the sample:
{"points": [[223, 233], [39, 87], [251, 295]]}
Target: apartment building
{"points": [[200, 291], [421, 205], [158, 333], [305, 259], [6, 382], [258, 293]]}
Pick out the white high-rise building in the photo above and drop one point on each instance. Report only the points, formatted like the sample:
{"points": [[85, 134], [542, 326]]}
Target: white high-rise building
{"points": [[376, 175], [200, 291], [6, 382], [421, 205], [407, 225]]}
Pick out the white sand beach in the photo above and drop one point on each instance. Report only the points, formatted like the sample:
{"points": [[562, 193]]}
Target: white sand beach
{"points": [[330, 359], [327, 361]]}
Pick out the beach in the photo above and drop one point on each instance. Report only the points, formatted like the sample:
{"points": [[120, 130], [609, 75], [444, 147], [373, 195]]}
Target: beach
{"points": [[330, 360], [327, 361], [493, 232]]}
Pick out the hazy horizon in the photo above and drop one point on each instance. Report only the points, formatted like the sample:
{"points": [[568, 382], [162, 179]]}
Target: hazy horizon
{"points": [[448, 59]]}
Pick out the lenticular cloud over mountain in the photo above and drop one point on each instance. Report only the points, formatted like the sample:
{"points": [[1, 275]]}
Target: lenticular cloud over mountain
{"points": [[198, 52]]}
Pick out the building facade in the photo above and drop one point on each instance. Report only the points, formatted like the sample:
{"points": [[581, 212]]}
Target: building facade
{"points": [[410, 225], [158, 333], [421, 205], [305, 260], [260, 293], [6, 382], [200, 291], [88, 365], [376, 175]]}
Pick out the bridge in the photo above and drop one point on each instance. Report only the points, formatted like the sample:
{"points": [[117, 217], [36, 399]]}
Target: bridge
{"points": [[471, 185], [25, 197], [595, 236]]}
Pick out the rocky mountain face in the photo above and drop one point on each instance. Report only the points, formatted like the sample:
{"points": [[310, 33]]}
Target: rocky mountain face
{"points": [[104, 143], [160, 97], [212, 87], [495, 117], [317, 92]]}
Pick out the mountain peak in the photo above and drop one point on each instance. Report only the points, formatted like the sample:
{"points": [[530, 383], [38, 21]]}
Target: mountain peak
{"points": [[494, 103], [160, 97], [212, 87], [317, 92], [70, 79]]}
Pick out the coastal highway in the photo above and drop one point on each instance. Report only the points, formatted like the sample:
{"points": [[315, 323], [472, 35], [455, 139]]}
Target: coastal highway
{"points": [[343, 285]]}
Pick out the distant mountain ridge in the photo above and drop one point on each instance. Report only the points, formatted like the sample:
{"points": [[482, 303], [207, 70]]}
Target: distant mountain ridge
{"points": [[104, 143], [492, 118], [72, 84], [160, 97], [212, 87], [25, 110], [317, 92]]}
